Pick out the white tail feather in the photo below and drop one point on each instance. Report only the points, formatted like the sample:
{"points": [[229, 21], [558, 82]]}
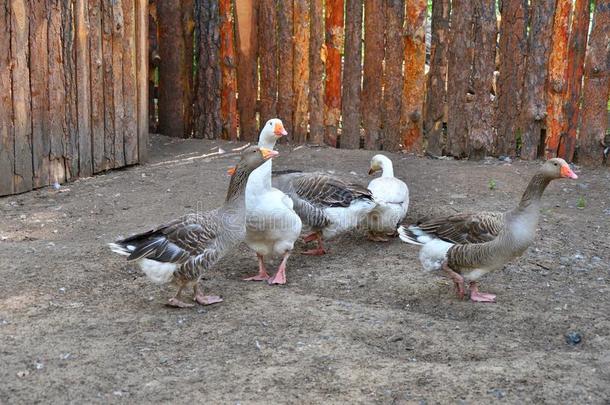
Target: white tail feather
{"points": [[119, 249], [157, 272], [403, 233]]}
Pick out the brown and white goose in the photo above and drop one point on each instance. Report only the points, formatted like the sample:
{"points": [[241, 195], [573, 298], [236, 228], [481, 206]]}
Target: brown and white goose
{"points": [[181, 250], [467, 246]]}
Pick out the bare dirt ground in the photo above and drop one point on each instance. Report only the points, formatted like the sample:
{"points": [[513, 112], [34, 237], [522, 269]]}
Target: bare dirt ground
{"points": [[363, 324]]}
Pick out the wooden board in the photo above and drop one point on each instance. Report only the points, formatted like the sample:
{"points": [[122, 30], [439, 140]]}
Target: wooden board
{"points": [[372, 83], [513, 51], [267, 51], [97, 85], [117, 73], [533, 111], [352, 76], [285, 107], [300, 78], [332, 87], [83, 88], [228, 61], [436, 98], [20, 12], [316, 73], [596, 89], [7, 137], [411, 117], [71, 138], [393, 78], [247, 70], [130, 96], [109, 83], [142, 32], [39, 76]]}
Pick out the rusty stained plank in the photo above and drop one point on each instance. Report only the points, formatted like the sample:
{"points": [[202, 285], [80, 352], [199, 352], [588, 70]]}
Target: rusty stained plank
{"points": [[285, 107], [316, 72], [247, 69], [300, 79], [352, 76], [411, 118], [374, 19], [228, 102], [332, 87], [7, 137], [268, 62], [393, 78]]}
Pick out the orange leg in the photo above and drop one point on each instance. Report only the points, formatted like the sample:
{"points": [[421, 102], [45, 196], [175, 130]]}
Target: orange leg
{"points": [[457, 280], [280, 276], [262, 271], [319, 251]]}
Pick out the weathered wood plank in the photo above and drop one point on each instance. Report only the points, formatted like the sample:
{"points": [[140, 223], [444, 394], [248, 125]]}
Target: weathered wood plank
{"points": [[20, 12], [57, 95], [393, 78], [7, 137], [130, 96], [533, 111], [109, 83], [176, 68], [267, 51], [69, 60], [118, 33], [83, 89], [97, 84], [301, 69], [596, 88], [459, 70], [142, 79], [513, 52], [316, 73], [39, 76], [332, 88], [436, 98], [285, 107], [352, 76], [153, 64], [481, 113], [576, 60], [247, 69], [557, 84], [374, 20], [207, 84], [411, 117], [228, 61]]}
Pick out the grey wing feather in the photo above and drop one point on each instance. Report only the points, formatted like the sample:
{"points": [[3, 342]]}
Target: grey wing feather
{"points": [[465, 228]]}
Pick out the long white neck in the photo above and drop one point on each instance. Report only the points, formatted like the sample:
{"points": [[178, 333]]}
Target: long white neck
{"points": [[387, 170], [260, 179]]}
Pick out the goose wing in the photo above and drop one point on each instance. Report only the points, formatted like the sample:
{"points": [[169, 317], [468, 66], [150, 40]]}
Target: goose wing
{"points": [[465, 228]]}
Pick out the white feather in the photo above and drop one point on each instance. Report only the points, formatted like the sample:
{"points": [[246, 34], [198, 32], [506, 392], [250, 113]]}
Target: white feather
{"points": [[157, 272], [433, 253], [119, 249]]}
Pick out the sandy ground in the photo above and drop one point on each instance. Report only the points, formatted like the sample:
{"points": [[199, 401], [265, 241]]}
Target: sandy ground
{"points": [[363, 324]]}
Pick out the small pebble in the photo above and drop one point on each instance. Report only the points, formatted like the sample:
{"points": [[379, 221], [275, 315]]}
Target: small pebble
{"points": [[62, 290], [573, 338], [498, 393], [395, 338]]}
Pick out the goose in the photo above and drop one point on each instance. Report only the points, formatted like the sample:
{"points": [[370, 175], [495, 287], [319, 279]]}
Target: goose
{"points": [[467, 246], [179, 251], [326, 204], [392, 197]]}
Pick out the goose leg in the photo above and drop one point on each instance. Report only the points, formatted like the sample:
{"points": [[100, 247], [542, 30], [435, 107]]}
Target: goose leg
{"points": [[319, 251], [176, 301], [477, 296], [457, 280], [204, 299], [280, 276], [262, 271]]}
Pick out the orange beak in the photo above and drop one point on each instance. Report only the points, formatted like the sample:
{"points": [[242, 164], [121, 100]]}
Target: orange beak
{"points": [[231, 170], [269, 153], [567, 172], [279, 130]]}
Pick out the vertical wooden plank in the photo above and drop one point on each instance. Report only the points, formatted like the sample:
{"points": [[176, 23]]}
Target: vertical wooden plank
{"points": [[7, 147], [481, 114], [267, 50], [39, 74], [393, 78], [20, 12], [57, 94], [374, 20], [286, 57], [332, 88], [130, 96], [97, 84], [316, 72], [352, 76], [228, 102], [207, 85], [69, 60], [513, 51], [436, 98], [176, 67], [533, 111], [576, 61], [301, 70], [458, 75], [247, 69], [411, 117], [83, 89], [109, 83], [596, 88], [557, 85], [153, 64], [142, 31], [118, 32]]}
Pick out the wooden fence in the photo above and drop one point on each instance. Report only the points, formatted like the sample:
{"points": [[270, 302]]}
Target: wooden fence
{"points": [[353, 74], [73, 81]]}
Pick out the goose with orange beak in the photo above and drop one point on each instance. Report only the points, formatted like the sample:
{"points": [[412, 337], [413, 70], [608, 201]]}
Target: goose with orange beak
{"points": [[467, 246]]}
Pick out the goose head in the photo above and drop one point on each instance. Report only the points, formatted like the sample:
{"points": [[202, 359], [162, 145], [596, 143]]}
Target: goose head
{"points": [[380, 162], [252, 157], [557, 168], [271, 132]]}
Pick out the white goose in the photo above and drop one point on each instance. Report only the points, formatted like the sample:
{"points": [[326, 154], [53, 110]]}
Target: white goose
{"points": [[392, 198]]}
